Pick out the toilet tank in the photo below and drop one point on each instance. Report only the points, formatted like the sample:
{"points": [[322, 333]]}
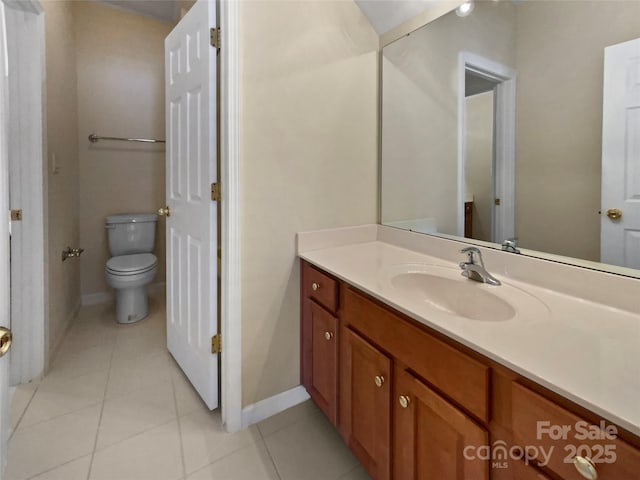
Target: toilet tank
{"points": [[131, 233]]}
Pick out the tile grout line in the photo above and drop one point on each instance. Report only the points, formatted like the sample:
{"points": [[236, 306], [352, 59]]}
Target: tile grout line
{"points": [[229, 453], [266, 447], [175, 404], [57, 416], [104, 397], [137, 434], [97, 402], [24, 412], [57, 466], [68, 461]]}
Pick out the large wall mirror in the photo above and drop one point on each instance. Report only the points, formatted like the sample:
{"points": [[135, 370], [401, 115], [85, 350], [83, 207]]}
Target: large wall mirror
{"points": [[518, 120]]}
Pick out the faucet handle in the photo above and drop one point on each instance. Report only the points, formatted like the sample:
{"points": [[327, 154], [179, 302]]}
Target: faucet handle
{"points": [[471, 251]]}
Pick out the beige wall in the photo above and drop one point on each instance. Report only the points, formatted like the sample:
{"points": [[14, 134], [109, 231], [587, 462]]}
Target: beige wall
{"points": [[120, 66], [308, 161], [559, 120], [479, 161], [420, 110], [62, 197]]}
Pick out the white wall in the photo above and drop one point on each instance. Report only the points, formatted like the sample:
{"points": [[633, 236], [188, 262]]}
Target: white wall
{"points": [[308, 161]]}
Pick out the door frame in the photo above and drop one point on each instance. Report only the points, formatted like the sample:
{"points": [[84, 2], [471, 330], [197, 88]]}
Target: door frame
{"points": [[4, 244], [231, 307], [504, 151], [29, 303]]}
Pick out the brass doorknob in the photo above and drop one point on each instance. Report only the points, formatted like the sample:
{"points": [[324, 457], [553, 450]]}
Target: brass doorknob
{"points": [[5, 340], [379, 380], [328, 335], [166, 211], [585, 467], [404, 401], [614, 213]]}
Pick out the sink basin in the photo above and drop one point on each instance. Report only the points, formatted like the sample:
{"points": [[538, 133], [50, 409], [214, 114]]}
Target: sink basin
{"points": [[445, 290], [462, 299]]}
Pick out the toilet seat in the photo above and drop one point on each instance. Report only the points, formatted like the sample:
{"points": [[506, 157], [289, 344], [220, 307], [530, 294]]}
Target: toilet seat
{"points": [[125, 265]]}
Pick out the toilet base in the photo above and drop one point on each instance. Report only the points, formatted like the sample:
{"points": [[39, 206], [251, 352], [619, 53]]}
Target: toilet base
{"points": [[131, 304]]}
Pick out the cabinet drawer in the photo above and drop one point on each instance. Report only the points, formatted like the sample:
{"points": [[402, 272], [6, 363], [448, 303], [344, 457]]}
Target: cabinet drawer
{"points": [[319, 286], [540, 423], [454, 373]]}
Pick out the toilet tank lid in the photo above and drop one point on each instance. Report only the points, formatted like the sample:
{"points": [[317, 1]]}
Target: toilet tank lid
{"points": [[132, 218]]}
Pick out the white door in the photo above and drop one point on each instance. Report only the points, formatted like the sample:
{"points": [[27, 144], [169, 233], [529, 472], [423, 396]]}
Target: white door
{"points": [[192, 289], [620, 237], [4, 245]]}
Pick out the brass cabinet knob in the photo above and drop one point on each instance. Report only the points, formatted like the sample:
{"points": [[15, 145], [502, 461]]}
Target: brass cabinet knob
{"points": [[614, 213], [315, 286], [166, 211], [404, 401], [379, 380], [328, 335], [585, 467], [5, 340]]}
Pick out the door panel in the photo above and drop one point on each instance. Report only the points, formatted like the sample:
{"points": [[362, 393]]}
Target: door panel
{"points": [[4, 250], [365, 409], [430, 435], [190, 65], [620, 238], [324, 361]]}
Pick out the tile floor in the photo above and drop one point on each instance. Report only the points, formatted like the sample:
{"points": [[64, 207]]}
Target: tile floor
{"points": [[115, 406]]}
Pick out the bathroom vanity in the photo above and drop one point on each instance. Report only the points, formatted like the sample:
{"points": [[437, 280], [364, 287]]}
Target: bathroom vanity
{"points": [[427, 374]]}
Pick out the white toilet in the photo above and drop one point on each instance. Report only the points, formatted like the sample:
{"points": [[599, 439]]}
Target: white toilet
{"points": [[132, 266]]}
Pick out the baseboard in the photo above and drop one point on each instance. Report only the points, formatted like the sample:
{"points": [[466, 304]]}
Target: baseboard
{"points": [[106, 297], [268, 407]]}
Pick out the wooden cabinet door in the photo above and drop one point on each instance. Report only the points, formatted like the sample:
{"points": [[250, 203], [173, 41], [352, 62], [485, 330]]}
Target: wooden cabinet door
{"points": [[430, 435], [323, 385], [525, 472], [365, 408]]}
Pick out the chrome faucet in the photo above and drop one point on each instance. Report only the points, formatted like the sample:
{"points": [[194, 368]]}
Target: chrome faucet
{"points": [[510, 245], [476, 271]]}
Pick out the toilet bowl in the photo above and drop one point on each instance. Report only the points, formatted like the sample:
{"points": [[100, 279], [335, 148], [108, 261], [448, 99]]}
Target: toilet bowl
{"points": [[130, 275], [132, 266]]}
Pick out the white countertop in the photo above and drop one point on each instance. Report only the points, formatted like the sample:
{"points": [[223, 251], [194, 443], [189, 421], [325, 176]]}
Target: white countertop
{"points": [[584, 351]]}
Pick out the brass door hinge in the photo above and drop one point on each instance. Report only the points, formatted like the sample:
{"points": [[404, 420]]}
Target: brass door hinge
{"points": [[16, 215], [215, 37], [215, 192], [496, 202], [216, 343]]}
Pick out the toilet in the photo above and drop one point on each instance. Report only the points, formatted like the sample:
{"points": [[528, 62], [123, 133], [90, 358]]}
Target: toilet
{"points": [[132, 266]]}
